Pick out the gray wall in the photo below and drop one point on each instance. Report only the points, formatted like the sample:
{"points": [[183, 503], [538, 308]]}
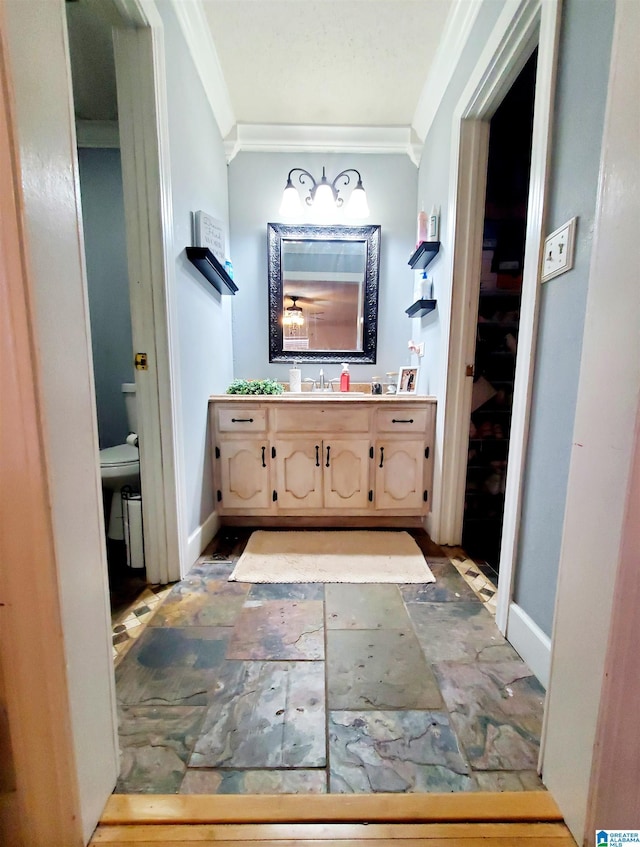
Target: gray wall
{"points": [[433, 189], [108, 283], [256, 182], [583, 71], [199, 181]]}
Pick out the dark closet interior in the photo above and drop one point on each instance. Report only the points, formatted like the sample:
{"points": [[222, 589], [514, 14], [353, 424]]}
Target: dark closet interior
{"points": [[498, 320]]}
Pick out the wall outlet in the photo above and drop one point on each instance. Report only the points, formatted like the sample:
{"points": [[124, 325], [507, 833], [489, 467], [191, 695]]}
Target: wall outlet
{"points": [[559, 250]]}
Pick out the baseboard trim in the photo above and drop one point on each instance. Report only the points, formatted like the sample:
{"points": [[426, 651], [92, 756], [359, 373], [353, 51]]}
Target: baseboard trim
{"points": [[199, 539], [530, 641]]}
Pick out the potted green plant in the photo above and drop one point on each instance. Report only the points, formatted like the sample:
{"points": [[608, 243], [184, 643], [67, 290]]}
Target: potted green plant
{"points": [[255, 386]]}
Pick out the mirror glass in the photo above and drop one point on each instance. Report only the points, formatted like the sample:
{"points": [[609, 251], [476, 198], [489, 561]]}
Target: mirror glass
{"points": [[323, 292]]}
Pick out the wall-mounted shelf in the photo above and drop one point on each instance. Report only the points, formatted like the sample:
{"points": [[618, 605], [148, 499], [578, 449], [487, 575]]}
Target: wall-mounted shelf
{"points": [[421, 308], [425, 253], [211, 269]]}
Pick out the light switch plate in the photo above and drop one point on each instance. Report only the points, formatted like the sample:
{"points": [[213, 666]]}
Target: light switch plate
{"points": [[559, 251]]}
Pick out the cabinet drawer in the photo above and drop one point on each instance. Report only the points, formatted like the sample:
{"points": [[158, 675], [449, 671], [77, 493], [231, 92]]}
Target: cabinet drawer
{"points": [[237, 419], [325, 420], [401, 420]]}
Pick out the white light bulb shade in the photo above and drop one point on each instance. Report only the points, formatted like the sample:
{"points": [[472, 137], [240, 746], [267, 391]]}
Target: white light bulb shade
{"points": [[323, 201], [293, 317], [291, 205], [357, 206]]}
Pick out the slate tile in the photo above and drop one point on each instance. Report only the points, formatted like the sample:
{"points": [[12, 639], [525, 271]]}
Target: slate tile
{"points": [[378, 669], [200, 601], [174, 666], [155, 743], [278, 630], [275, 718], [449, 587], [287, 591], [201, 781], [367, 606], [508, 781], [407, 751], [496, 710], [462, 631]]}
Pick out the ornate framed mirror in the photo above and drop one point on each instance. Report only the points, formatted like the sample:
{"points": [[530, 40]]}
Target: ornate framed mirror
{"points": [[323, 293]]}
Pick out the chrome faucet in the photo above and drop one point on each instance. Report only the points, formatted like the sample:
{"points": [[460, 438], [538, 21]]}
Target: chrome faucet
{"points": [[321, 384]]}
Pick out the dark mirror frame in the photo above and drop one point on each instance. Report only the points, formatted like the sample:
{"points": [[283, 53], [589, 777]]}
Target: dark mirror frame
{"points": [[276, 233]]}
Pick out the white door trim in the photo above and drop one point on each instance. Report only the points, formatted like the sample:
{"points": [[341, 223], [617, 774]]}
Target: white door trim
{"points": [[522, 24], [142, 104]]}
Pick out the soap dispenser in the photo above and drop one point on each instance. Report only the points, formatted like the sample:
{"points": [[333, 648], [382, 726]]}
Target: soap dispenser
{"points": [[345, 379]]}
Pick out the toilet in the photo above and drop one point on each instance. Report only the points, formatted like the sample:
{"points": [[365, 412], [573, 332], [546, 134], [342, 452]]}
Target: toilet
{"points": [[120, 466]]}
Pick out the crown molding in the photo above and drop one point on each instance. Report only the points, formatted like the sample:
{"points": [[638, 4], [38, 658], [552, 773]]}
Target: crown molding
{"points": [[457, 29], [195, 28], [289, 138], [97, 134]]}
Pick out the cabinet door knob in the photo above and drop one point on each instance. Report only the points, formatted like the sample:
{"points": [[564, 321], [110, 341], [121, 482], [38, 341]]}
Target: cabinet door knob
{"points": [[241, 420], [264, 464], [381, 456], [400, 420], [318, 456], [327, 465]]}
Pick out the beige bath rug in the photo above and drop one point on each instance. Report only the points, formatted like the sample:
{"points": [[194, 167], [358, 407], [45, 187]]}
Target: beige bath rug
{"points": [[356, 556]]}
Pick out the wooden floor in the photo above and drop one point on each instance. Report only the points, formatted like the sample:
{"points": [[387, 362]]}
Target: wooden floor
{"points": [[528, 818]]}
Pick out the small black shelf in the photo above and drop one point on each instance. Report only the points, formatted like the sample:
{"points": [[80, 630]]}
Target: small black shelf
{"points": [[425, 253], [421, 308], [211, 269]]}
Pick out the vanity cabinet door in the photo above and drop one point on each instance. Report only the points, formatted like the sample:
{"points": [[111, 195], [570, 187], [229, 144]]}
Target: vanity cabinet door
{"points": [[400, 475], [299, 473], [345, 465], [243, 474]]}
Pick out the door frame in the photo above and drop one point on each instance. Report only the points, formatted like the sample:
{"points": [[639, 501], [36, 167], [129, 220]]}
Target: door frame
{"points": [[522, 26], [144, 138]]}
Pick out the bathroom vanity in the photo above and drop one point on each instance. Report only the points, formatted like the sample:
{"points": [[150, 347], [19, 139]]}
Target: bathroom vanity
{"points": [[322, 459]]}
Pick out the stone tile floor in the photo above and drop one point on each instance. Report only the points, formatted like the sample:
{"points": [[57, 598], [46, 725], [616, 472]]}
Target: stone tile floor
{"points": [[238, 688]]}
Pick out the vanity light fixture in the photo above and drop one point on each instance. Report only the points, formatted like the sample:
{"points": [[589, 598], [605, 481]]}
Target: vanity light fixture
{"points": [[324, 196]]}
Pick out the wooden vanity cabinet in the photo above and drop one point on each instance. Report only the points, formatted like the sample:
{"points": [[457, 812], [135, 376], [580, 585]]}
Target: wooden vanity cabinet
{"points": [[322, 473], [282, 457], [242, 463], [403, 457]]}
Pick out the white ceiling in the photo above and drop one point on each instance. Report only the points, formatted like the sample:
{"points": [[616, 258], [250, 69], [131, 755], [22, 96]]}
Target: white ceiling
{"points": [[274, 70], [336, 62]]}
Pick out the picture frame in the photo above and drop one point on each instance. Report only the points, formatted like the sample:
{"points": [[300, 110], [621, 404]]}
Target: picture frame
{"points": [[408, 380]]}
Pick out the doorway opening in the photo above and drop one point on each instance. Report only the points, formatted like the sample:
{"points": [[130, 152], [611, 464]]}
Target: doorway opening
{"points": [[500, 291], [93, 75]]}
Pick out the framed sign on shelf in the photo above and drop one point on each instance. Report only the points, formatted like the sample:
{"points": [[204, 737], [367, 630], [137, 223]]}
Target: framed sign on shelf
{"points": [[209, 232]]}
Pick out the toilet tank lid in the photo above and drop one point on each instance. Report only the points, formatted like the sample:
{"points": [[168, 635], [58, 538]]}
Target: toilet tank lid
{"points": [[121, 454]]}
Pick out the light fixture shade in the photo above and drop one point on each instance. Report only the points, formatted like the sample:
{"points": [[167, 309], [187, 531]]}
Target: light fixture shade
{"points": [[291, 205], [357, 206], [324, 201]]}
